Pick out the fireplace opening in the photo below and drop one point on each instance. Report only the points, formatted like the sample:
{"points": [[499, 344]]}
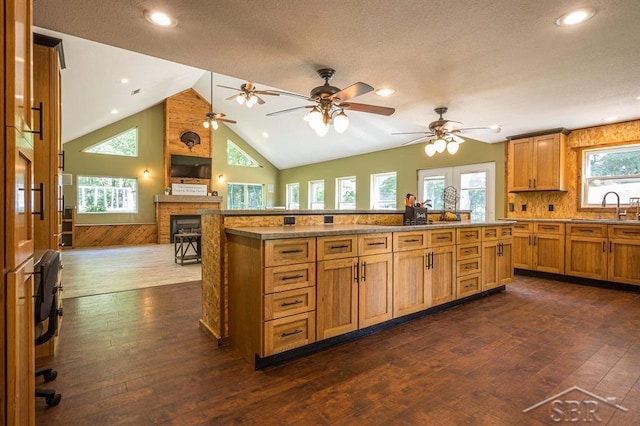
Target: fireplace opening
{"points": [[184, 223]]}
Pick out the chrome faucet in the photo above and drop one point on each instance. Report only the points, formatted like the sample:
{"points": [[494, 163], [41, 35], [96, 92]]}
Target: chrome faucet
{"points": [[619, 213]]}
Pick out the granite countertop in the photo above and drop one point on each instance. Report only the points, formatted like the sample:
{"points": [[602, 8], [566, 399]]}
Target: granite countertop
{"points": [[297, 231], [282, 212], [609, 221]]}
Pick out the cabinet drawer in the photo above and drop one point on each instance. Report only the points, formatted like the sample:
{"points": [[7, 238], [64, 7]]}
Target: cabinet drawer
{"points": [[469, 235], [505, 232], [523, 227], [468, 285], [624, 232], [441, 237], [467, 251], [287, 252], [587, 229], [403, 241], [548, 228], [374, 243], [289, 277], [337, 247], [470, 266], [286, 303], [490, 233], [288, 333]]}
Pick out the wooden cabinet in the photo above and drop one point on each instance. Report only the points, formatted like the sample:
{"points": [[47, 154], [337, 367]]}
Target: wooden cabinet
{"points": [[18, 42], [353, 291], [497, 258], [441, 274], [586, 250], [411, 286], [539, 246], [536, 163], [624, 254]]}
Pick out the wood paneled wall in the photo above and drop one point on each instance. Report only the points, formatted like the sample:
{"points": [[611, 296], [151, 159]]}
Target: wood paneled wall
{"points": [[565, 204], [115, 235]]}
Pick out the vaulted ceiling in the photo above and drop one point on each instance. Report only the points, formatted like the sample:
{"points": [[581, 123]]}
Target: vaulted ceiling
{"points": [[491, 62]]}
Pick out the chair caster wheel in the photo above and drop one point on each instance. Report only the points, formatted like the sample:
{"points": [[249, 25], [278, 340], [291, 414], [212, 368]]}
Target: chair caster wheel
{"points": [[53, 400], [50, 376]]}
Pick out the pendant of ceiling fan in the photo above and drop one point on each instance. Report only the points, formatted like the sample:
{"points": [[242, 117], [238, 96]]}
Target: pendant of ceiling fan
{"points": [[330, 104], [213, 118]]}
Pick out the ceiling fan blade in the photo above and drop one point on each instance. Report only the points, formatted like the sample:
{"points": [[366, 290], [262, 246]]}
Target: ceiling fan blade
{"points": [[492, 129], [456, 138], [413, 133], [232, 97], [260, 100], [352, 91], [420, 139], [373, 109], [284, 111], [295, 95], [227, 87], [226, 120], [266, 92], [450, 126], [218, 115]]}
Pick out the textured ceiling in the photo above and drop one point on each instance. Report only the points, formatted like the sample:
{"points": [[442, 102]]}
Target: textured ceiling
{"points": [[491, 62]]}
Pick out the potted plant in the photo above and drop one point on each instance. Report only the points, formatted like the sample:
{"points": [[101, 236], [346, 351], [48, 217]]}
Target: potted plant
{"points": [[167, 190]]}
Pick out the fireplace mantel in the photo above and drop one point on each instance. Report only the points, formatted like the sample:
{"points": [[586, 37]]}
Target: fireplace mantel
{"points": [[187, 199]]}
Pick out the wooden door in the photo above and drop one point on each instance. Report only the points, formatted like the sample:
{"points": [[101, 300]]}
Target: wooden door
{"points": [[442, 275], [505, 262], [548, 253], [521, 250], [375, 289], [586, 257], [20, 354], [520, 165], [410, 290], [546, 162], [337, 298], [624, 261]]}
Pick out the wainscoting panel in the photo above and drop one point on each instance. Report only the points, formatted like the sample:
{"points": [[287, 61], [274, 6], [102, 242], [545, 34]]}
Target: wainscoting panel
{"points": [[115, 235]]}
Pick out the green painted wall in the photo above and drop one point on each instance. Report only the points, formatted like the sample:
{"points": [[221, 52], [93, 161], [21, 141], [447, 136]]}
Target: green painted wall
{"points": [[405, 161]]}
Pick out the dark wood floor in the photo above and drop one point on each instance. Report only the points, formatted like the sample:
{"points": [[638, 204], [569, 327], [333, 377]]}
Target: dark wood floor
{"points": [[138, 357]]}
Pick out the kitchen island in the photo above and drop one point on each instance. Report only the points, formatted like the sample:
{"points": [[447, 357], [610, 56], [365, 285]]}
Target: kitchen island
{"points": [[297, 289]]}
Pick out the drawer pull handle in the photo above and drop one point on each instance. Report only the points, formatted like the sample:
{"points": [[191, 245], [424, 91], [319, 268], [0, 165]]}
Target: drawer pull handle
{"points": [[339, 247], [412, 241], [293, 277], [469, 235], [466, 268], [291, 251], [631, 232], [379, 243], [585, 230], [442, 238], [466, 251], [490, 234], [295, 302], [469, 285], [292, 333]]}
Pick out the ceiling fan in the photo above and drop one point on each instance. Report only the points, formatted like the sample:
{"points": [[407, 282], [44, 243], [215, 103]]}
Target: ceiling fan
{"points": [[330, 104], [248, 94], [443, 134], [213, 118]]}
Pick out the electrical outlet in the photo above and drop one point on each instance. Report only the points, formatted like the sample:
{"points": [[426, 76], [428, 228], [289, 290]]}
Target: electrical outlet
{"points": [[523, 207], [550, 207], [289, 220], [328, 219], [512, 207]]}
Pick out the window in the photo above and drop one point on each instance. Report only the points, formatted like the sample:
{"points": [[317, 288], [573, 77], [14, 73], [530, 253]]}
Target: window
{"points": [[475, 184], [125, 144], [107, 195], [245, 196], [383, 191], [346, 193], [237, 157], [610, 169], [316, 194], [293, 196]]}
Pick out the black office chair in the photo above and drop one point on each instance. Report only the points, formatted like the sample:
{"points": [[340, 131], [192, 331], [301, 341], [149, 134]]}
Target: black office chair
{"points": [[46, 307]]}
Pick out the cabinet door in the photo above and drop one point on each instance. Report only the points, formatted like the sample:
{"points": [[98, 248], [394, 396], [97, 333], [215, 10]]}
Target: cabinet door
{"points": [[586, 257], [624, 261], [505, 262], [337, 299], [375, 289], [18, 57], [410, 290], [490, 277], [522, 257], [548, 253], [546, 162], [20, 368], [442, 275], [520, 165]]}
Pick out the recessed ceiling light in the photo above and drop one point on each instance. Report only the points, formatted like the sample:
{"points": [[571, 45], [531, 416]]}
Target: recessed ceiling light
{"points": [[610, 118], [265, 135], [385, 92], [114, 111], [160, 18], [576, 17], [638, 98], [124, 80]]}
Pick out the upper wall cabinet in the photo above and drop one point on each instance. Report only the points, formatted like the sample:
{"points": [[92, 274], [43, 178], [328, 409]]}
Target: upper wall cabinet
{"points": [[536, 161], [18, 57]]}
